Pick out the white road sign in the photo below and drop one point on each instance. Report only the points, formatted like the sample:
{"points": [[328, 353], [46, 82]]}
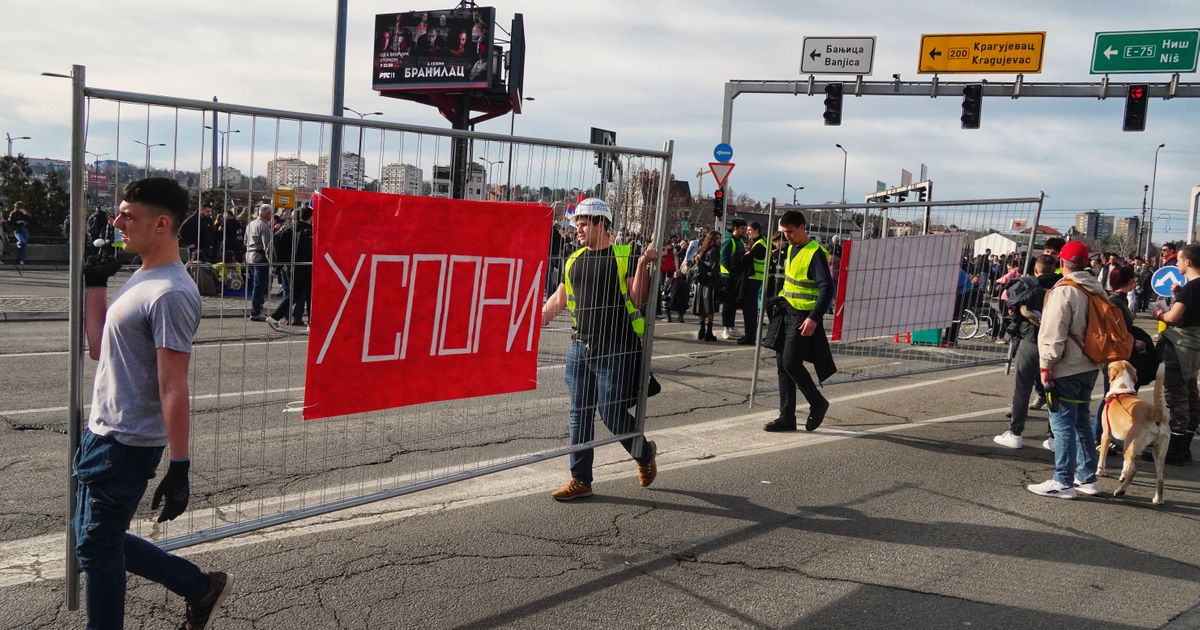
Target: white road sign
{"points": [[838, 55]]}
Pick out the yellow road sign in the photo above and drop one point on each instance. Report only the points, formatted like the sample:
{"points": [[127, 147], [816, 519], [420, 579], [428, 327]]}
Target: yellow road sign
{"points": [[284, 198], [982, 53]]}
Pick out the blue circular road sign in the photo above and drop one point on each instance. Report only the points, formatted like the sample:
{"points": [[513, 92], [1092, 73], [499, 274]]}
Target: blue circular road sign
{"points": [[1165, 279], [723, 152]]}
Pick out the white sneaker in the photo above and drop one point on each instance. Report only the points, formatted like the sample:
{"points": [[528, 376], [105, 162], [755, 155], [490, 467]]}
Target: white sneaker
{"points": [[273, 323], [1090, 489], [1052, 488], [1008, 440], [1048, 444], [727, 333]]}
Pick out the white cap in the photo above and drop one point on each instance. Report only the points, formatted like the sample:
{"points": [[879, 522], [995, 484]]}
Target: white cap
{"points": [[592, 207]]}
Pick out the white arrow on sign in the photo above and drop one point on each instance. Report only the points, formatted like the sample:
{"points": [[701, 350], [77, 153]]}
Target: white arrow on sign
{"points": [[1109, 52], [1167, 280]]}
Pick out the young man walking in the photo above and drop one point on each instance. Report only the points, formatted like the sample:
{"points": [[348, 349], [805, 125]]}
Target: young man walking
{"points": [[143, 343], [604, 287], [807, 292], [1069, 376]]}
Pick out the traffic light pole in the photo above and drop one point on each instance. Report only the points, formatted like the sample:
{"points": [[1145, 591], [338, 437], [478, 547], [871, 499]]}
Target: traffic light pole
{"points": [[935, 88]]}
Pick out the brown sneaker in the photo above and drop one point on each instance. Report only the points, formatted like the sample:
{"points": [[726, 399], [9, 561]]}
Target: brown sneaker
{"points": [[574, 489], [647, 472]]}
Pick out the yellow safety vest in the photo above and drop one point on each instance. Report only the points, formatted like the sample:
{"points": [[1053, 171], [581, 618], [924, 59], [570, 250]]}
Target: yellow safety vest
{"points": [[737, 244], [760, 264], [622, 253], [798, 289]]}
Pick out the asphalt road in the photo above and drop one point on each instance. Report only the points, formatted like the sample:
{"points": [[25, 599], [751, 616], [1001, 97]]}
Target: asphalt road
{"points": [[900, 512]]}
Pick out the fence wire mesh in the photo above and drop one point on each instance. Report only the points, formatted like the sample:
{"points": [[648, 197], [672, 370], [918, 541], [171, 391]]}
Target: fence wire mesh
{"points": [[254, 461], [998, 236]]}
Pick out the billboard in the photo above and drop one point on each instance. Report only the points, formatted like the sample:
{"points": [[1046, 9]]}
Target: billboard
{"points": [[422, 50]]}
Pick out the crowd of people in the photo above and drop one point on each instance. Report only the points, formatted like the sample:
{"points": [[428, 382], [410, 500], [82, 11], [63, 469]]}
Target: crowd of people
{"points": [[1047, 316]]}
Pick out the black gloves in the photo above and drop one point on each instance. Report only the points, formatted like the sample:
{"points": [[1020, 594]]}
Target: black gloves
{"points": [[98, 269], [174, 489]]}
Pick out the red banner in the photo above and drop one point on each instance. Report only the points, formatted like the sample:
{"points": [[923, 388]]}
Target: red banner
{"points": [[419, 299]]}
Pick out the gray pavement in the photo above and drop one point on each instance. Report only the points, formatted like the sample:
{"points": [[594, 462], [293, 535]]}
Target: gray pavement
{"points": [[900, 512]]}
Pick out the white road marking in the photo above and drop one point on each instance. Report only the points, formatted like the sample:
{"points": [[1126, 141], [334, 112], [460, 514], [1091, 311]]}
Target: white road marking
{"points": [[39, 558]]}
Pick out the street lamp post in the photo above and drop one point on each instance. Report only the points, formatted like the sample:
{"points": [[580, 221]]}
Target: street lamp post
{"points": [[10, 141], [224, 152], [845, 159], [512, 124], [362, 164], [148, 147], [795, 189], [1153, 183]]}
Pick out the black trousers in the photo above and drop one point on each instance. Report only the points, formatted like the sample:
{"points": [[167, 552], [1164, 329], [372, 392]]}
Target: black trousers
{"points": [[1179, 391], [297, 298], [730, 300], [750, 290], [790, 365]]}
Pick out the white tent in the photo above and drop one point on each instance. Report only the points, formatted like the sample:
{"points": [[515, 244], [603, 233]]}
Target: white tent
{"points": [[998, 243]]}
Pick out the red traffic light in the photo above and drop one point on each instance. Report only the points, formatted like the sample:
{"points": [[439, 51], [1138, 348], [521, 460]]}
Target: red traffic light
{"points": [[1137, 91], [720, 194]]}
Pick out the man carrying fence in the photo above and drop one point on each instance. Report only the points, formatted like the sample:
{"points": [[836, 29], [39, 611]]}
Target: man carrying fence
{"points": [[143, 343], [604, 293]]}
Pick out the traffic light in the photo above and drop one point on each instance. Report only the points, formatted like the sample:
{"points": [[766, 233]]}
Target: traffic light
{"points": [[833, 104], [719, 203], [1137, 98], [922, 193], [972, 105]]}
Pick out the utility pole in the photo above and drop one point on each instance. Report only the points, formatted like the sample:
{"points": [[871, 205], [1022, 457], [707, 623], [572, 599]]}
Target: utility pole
{"points": [[1142, 232]]}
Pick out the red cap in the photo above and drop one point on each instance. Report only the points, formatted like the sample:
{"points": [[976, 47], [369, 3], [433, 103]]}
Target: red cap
{"points": [[1075, 253]]}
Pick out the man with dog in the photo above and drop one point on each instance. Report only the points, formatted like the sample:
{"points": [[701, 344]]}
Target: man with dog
{"points": [[1179, 346], [1069, 376]]}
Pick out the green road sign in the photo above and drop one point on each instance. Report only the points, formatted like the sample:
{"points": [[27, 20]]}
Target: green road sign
{"points": [[1123, 52]]}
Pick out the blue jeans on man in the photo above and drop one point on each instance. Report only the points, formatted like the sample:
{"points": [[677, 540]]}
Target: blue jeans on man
{"points": [[260, 275], [1074, 443], [112, 479], [600, 379]]}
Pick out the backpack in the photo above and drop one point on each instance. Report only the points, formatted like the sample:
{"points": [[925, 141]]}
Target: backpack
{"points": [[1025, 291], [1145, 362], [1106, 338]]}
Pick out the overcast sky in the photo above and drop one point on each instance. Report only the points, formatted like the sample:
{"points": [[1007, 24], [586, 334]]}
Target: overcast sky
{"points": [[654, 71]]}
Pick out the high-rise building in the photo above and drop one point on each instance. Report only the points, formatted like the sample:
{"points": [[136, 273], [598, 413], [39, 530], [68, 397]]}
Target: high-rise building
{"points": [[353, 168], [1094, 225], [292, 173], [476, 182], [228, 175], [401, 179], [1128, 227]]}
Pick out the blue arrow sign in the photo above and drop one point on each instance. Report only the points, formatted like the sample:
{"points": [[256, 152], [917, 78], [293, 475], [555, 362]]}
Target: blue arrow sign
{"points": [[1165, 279], [723, 152]]}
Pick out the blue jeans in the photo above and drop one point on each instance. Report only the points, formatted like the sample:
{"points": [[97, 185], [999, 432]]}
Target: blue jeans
{"points": [[112, 479], [260, 275], [1074, 444], [22, 234], [600, 379]]}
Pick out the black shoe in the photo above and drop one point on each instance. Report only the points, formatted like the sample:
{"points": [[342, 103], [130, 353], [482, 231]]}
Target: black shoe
{"points": [[1185, 450], [779, 425], [702, 335], [708, 336], [745, 341], [1175, 451], [258, 318], [200, 613], [816, 415]]}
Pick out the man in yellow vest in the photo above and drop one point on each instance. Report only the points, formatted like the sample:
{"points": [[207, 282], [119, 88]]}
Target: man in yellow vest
{"points": [[604, 287], [807, 293], [754, 268], [733, 251]]}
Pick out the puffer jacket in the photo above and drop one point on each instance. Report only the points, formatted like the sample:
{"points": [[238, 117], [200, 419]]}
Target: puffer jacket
{"points": [[1064, 315]]}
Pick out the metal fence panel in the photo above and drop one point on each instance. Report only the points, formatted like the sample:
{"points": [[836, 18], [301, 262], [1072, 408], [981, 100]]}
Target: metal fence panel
{"points": [[1007, 229], [255, 463]]}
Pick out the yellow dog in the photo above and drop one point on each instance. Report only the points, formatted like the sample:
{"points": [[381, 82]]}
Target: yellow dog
{"points": [[1136, 423]]}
